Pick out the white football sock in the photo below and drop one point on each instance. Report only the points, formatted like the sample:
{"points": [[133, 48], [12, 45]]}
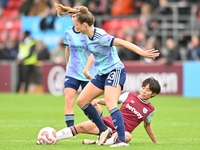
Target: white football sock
{"points": [[111, 140], [64, 134]]}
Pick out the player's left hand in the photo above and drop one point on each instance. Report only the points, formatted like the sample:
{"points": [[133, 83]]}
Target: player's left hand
{"points": [[152, 53], [87, 75]]}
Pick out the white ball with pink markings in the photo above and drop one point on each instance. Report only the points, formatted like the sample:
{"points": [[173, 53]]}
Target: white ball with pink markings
{"points": [[47, 136]]}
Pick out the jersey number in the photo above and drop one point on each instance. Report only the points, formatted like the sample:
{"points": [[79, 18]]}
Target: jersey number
{"points": [[111, 76]]}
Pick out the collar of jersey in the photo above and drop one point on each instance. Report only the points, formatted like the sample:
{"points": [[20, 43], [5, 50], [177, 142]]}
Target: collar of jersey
{"points": [[75, 31], [94, 34], [142, 100]]}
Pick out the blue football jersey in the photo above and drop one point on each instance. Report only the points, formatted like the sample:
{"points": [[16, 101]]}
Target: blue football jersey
{"points": [[79, 54], [106, 56]]}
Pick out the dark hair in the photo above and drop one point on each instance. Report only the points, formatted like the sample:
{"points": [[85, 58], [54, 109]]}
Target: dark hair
{"points": [[154, 85], [27, 33], [82, 14]]}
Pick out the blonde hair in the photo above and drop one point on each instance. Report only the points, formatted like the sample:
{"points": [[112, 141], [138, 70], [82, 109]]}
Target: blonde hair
{"points": [[82, 14]]}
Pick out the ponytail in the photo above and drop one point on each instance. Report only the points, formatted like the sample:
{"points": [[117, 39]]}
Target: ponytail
{"points": [[62, 10], [82, 14]]}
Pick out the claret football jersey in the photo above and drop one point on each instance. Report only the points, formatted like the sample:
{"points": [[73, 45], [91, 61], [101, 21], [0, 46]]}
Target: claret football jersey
{"points": [[135, 110]]}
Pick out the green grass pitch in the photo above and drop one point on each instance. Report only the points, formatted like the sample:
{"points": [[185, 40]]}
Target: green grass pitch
{"points": [[176, 124]]}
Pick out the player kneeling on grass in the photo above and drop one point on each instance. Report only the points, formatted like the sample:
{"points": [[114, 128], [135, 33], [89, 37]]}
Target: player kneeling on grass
{"points": [[135, 109]]}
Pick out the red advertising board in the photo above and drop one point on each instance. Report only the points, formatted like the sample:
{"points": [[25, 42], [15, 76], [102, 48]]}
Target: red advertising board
{"points": [[169, 76], [53, 78], [5, 77]]}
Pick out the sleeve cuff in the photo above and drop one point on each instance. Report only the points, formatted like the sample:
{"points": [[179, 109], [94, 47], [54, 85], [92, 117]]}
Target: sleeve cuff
{"points": [[111, 43]]}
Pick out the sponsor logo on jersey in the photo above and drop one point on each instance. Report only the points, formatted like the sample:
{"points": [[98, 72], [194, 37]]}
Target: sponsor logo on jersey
{"points": [[134, 111], [96, 53], [145, 110]]}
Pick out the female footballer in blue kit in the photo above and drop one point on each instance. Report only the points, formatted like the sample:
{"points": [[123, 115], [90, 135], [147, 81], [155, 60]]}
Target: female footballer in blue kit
{"points": [[76, 58], [111, 73]]}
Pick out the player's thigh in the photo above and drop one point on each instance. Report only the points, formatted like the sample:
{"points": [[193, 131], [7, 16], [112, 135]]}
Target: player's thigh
{"points": [[111, 95], [87, 127], [113, 85], [71, 86], [88, 94]]}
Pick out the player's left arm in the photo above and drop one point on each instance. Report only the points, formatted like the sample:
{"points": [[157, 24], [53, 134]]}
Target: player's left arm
{"points": [[152, 53], [150, 132]]}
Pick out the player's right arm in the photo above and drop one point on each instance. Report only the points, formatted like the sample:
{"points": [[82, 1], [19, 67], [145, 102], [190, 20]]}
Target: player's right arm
{"points": [[96, 102], [88, 65], [99, 101], [150, 132], [122, 99], [67, 53]]}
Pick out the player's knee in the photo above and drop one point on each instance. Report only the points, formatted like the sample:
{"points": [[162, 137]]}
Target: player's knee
{"points": [[110, 105], [128, 136], [69, 100], [80, 103], [80, 128]]}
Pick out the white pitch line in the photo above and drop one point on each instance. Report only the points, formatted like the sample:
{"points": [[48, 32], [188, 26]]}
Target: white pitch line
{"points": [[14, 126], [18, 141]]}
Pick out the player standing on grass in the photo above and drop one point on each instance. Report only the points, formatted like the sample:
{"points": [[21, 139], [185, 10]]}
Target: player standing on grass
{"points": [[135, 109], [76, 58], [111, 72]]}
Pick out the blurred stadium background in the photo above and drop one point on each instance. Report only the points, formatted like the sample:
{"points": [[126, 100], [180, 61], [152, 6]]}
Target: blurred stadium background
{"points": [[171, 26]]}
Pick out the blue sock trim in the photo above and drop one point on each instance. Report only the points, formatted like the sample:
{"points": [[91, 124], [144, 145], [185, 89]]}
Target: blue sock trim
{"points": [[113, 110], [69, 120], [69, 117], [85, 107]]}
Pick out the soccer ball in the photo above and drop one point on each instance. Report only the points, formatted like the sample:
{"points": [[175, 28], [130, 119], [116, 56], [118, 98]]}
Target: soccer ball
{"points": [[47, 136]]}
